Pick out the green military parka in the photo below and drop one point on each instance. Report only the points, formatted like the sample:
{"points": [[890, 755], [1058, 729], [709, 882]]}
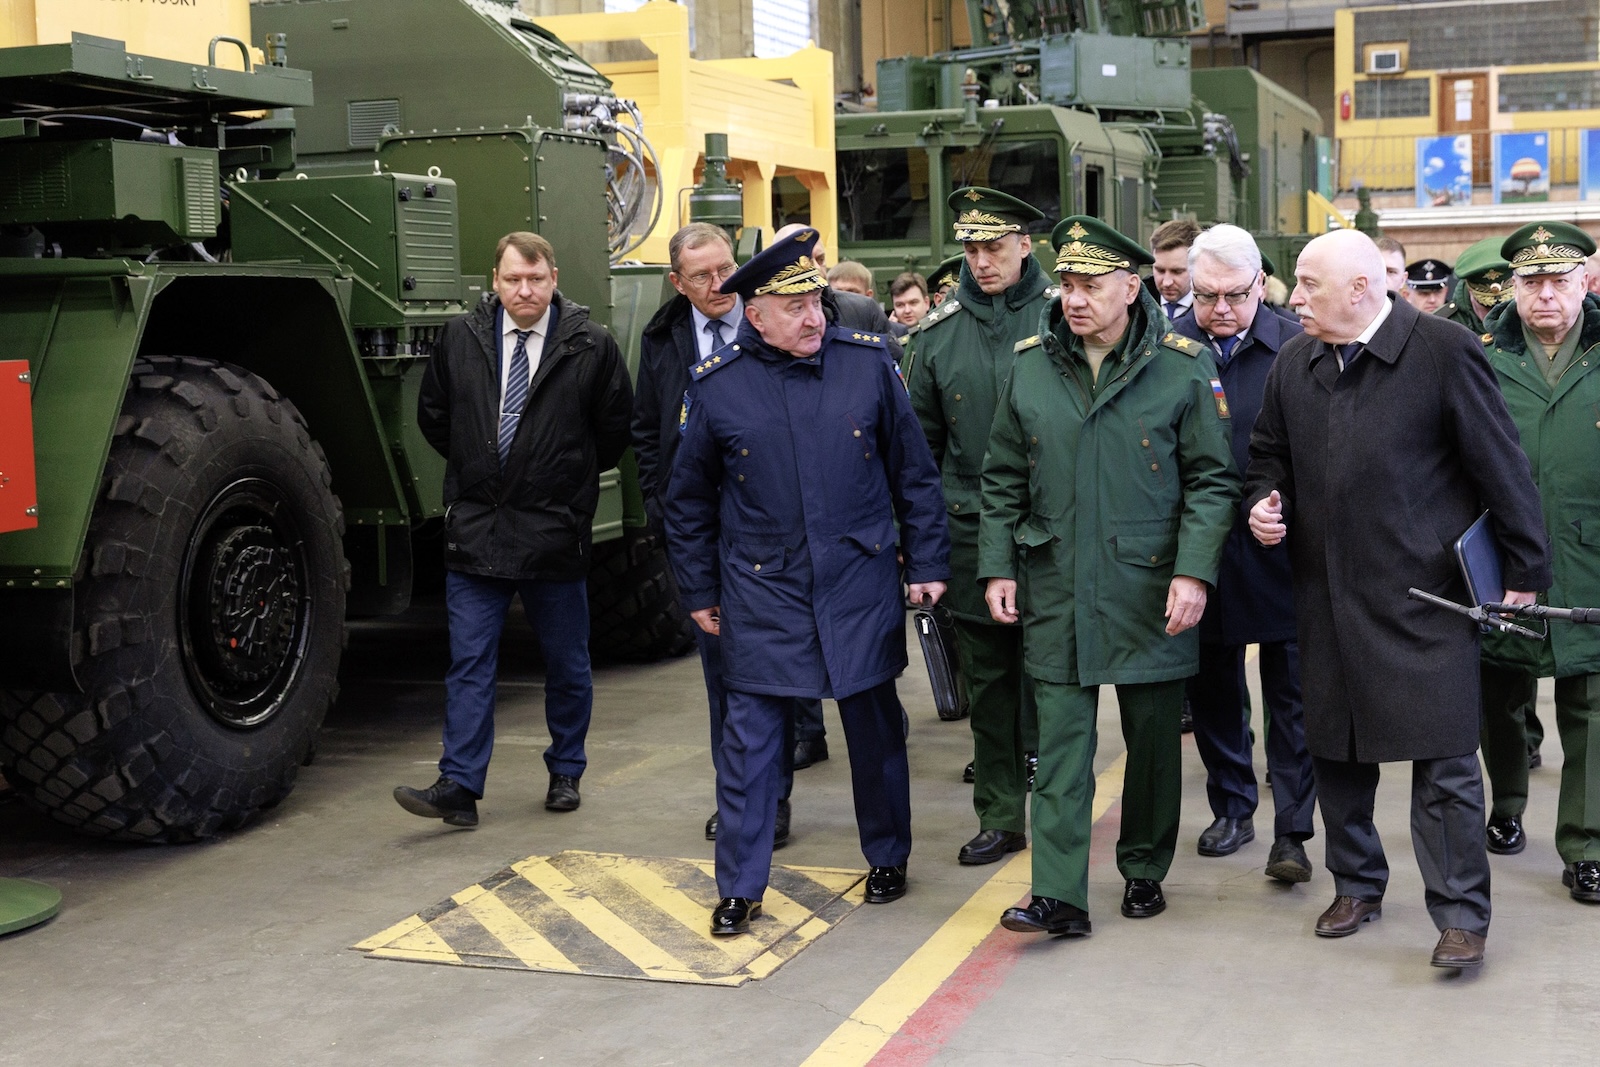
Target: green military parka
{"points": [[1460, 309], [1093, 502], [964, 350], [1560, 431]]}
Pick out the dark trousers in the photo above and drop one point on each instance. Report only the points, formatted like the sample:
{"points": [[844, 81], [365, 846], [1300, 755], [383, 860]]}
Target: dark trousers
{"points": [[1507, 695], [749, 783], [717, 698], [1446, 833], [991, 662], [559, 615], [1222, 734], [808, 724]]}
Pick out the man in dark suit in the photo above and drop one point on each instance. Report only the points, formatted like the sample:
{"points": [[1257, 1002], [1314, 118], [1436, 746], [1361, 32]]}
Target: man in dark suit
{"points": [[1253, 602], [1383, 434]]}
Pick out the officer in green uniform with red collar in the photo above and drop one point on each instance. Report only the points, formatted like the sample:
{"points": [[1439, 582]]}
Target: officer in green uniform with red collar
{"points": [[1483, 280], [964, 352], [1108, 492], [1545, 349]]}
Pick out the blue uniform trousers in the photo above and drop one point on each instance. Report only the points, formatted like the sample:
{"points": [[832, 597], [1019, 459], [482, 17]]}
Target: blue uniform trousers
{"points": [[750, 780], [1222, 734], [559, 615], [717, 698]]}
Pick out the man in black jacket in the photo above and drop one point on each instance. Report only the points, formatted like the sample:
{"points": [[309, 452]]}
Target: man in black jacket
{"points": [[528, 401]]}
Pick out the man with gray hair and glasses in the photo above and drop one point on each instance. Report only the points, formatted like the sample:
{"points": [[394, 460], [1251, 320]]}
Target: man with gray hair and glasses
{"points": [[1254, 599]]}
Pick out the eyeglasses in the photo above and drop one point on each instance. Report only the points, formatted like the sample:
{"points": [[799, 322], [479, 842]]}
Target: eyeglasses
{"points": [[707, 277], [1234, 299]]}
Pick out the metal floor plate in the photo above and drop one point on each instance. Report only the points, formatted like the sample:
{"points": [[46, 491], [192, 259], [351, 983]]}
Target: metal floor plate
{"points": [[621, 917]]}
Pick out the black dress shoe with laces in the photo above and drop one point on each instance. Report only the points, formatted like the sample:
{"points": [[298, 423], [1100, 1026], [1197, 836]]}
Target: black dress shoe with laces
{"points": [[808, 752], [1288, 862], [1142, 898], [1224, 837], [991, 845], [1504, 837], [732, 915], [885, 884], [1583, 879], [563, 794], [1047, 915], [443, 799], [780, 828], [711, 827]]}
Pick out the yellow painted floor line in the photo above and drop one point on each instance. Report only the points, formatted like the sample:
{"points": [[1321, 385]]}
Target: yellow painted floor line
{"points": [[880, 1016], [601, 920], [512, 931]]}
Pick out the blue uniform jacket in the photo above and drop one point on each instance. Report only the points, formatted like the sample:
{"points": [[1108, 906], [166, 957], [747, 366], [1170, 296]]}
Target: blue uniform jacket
{"points": [[1254, 598], [781, 509]]}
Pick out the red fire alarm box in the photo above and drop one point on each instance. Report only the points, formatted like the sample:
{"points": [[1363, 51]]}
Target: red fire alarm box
{"points": [[19, 491]]}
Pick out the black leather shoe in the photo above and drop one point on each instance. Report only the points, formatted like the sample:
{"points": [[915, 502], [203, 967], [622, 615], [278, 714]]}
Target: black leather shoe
{"points": [[1224, 837], [1583, 878], [1031, 761], [1047, 915], [443, 799], [885, 884], [732, 915], [1186, 718], [808, 752], [1535, 761], [563, 794], [711, 827], [780, 827], [1142, 898], [969, 773], [991, 845], [1287, 862], [1504, 837]]}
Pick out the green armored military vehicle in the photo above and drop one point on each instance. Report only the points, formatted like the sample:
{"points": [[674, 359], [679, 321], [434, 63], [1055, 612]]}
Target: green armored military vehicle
{"points": [[226, 289]]}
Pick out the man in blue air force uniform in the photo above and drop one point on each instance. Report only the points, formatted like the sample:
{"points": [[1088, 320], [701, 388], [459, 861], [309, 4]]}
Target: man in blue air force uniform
{"points": [[800, 450]]}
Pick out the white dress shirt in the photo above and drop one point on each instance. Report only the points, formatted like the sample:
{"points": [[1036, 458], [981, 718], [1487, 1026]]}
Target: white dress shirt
{"points": [[508, 344]]}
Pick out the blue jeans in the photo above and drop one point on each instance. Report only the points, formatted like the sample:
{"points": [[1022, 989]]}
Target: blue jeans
{"points": [[559, 615]]}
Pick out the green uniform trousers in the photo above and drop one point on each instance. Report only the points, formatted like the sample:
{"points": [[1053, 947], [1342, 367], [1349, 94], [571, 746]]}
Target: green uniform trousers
{"points": [[999, 698], [1063, 791], [1506, 694]]}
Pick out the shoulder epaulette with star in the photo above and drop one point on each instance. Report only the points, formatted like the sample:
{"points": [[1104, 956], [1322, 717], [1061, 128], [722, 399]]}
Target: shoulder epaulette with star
{"points": [[716, 361], [856, 337], [1027, 343], [940, 313], [1179, 343]]}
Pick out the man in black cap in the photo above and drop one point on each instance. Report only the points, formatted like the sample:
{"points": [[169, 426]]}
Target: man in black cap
{"points": [[800, 451], [1426, 281], [1545, 348], [964, 352]]}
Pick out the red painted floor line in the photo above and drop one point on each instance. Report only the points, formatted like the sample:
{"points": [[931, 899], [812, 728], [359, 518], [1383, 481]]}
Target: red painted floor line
{"points": [[980, 975]]}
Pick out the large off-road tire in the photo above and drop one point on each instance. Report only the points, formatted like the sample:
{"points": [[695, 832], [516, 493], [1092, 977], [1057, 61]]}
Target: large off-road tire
{"points": [[634, 615], [209, 617]]}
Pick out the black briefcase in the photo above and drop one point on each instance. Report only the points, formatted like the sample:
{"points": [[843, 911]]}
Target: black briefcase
{"points": [[936, 633]]}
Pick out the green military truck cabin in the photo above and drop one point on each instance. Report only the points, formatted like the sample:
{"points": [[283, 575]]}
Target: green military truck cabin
{"points": [[225, 349]]}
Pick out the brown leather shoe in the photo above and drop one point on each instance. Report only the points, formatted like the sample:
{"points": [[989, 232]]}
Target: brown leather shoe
{"points": [[1458, 949], [1345, 916]]}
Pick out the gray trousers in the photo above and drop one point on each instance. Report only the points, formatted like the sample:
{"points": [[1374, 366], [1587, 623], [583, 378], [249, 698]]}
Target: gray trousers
{"points": [[1447, 820]]}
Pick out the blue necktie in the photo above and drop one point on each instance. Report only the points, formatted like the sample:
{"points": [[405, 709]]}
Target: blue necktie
{"points": [[1348, 353], [1174, 309], [1226, 345], [715, 327], [516, 395]]}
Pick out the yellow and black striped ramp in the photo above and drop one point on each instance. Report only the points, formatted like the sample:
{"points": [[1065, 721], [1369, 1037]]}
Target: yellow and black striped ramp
{"points": [[620, 916]]}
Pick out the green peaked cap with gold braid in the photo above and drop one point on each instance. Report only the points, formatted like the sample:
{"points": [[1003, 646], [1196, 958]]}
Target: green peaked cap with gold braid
{"points": [[1086, 245], [1546, 248], [988, 214]]}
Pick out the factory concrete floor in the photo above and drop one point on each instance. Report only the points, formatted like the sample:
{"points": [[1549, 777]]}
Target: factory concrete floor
{"points": [[239, 952]]}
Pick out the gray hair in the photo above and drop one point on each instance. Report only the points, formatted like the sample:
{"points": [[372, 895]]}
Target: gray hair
{"points": [[693, 236], [1228, 245]]}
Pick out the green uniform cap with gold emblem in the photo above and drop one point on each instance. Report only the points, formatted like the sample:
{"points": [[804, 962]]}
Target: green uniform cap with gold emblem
{"points": [[1546, 248], [783, 268], [988, 214], [1485, 272], [1085, 245], [947, 274]]}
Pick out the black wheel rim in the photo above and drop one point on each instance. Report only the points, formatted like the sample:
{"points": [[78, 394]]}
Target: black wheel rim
{"points": [[244, 604]]}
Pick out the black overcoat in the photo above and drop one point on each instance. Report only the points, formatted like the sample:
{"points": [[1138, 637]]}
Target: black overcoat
{"points": [[1381, 468], [1254, 597]]}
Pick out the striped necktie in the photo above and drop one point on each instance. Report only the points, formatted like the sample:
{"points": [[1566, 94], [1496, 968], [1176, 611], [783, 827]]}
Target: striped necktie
{"points": [[516, 395]]}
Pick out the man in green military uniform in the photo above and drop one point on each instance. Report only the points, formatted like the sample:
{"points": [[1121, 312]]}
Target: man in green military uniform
{"points": [[1545, 349], [1108, 492], [964, 352], [1483, 279]]}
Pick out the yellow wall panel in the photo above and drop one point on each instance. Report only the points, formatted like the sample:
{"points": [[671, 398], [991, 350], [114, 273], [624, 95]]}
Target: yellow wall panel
{"points": [[170, 29]]}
